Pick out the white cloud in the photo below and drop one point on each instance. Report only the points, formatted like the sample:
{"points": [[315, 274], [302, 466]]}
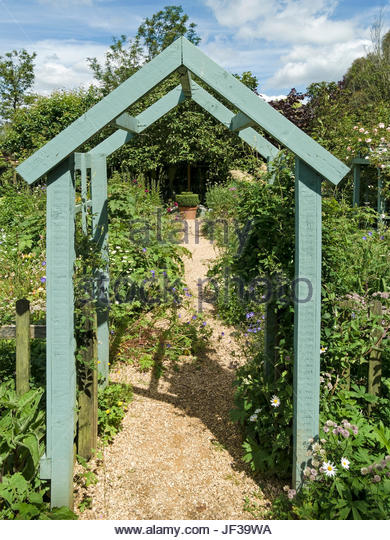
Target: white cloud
{"points": [[62, 64], [266, 97], [312, 43], [308, 63]]}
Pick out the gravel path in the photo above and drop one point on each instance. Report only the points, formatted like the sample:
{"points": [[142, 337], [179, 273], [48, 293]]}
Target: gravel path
{"points": [[178, 455]]}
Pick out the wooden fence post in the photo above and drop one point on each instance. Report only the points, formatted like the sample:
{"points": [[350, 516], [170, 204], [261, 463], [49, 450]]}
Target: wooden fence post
{"points": [[22, 346], [375, 362], [88, 386], [271, 327], [356, 185], [100, 235], [57, 465], [307, 314]]}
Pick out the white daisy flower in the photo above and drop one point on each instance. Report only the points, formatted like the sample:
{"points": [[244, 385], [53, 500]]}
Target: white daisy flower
{"points": [[344, 463], [253, 418], [329, 469], [323, 350], [275, 401]]}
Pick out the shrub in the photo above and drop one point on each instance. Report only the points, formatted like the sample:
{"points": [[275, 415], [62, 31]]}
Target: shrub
{"points": [[186, 198]]}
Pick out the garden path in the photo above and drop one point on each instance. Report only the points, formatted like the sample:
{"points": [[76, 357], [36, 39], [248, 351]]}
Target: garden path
{"points": [[178, 455]]}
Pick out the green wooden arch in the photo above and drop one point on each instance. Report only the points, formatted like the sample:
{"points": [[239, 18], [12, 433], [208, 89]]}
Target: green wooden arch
{"points": [[59, 160]]}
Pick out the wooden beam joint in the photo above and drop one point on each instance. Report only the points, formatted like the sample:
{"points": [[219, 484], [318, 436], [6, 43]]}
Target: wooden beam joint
{"points": [[241, 121], [185, 80]]}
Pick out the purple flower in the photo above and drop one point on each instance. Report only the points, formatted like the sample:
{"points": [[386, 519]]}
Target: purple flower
{"points": [[222, 333], [345, 433], [43, 280], [43, 263], [326, 429], [194, 317], [364, 237], [249, 315], [144, 250], [382, 237], [204, 323], [168, 345], [370, 233], [152, 272]]}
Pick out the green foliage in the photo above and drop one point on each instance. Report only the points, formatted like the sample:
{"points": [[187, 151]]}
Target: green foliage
{"points": [[22, 430], [20, 499], [34, 126], [368, 77], [267, 447], [249, 79], [163, 28], [112, 402], [187, 198], [120, 63], [16, 79]]}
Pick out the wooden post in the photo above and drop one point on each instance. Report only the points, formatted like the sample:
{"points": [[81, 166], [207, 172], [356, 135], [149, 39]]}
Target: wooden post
{"points": [[307, 313], [356, 185], [375, 362], [270, 340], [100, 234], [84, 193], [88, 387], [381, 199], [22, 346], [57, 464]]}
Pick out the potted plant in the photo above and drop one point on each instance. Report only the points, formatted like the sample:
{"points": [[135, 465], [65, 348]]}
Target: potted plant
{"points": [[188, 204]]}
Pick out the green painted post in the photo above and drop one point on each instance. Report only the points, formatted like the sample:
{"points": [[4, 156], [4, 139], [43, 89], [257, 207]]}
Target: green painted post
{"points": [[100, 234], [60, 348], [307, 324], [84, 192], [381, 199], [356, 185], [270, 340], [22, 332]]}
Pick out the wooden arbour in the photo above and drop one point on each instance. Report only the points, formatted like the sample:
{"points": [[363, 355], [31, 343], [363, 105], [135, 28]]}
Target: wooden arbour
{"points": [[59, 160]]}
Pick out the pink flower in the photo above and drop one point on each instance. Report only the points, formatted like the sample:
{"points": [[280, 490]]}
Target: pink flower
{"points": [[361, 130], [368, 140], [326, 429], [355, 127]]}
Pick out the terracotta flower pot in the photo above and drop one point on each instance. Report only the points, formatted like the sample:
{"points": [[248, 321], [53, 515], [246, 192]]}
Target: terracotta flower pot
{"points": [[188, 212]]}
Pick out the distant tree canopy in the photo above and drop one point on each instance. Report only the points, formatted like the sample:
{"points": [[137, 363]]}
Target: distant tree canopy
{"points": [[368, 78], [16, 79], [126, 56]]}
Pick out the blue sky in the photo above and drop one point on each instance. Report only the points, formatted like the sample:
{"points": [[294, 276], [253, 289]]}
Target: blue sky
{"points": [[286, 43]]}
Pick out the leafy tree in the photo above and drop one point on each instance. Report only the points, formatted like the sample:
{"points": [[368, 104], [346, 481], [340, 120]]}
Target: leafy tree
{"points": [[126, 56], [163, 28], [121, 62], [34, 126], [369, 77], [249, 79], [16, 78]]}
